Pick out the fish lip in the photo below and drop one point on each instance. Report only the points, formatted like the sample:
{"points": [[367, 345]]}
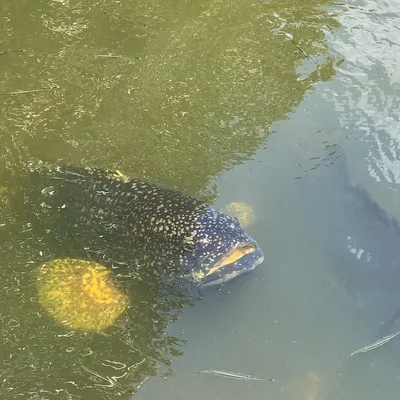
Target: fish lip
{"points": [[243, 266]]}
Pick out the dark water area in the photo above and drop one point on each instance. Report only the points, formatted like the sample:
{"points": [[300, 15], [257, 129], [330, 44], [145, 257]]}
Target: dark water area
{"points": [[290, 107]]}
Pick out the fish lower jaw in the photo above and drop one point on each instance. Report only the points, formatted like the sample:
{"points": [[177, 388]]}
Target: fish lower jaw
{"points": [[232, 271]]}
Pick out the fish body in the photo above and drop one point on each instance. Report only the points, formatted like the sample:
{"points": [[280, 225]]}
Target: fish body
{"points": [[122, 221], [359, 239], [361, 243]]}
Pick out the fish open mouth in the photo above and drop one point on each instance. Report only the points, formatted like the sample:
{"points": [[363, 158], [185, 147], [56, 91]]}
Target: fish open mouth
{"points": [[242, 259]]}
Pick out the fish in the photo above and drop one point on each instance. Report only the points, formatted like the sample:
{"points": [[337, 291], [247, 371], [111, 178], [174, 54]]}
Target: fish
{"points": [[360, 241], [234, 375], [150, 228]]}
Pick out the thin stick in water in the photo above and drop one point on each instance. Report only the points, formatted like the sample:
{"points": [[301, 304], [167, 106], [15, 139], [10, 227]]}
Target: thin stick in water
{"points": [[107, 56], [376, 344], [234, 375], [24, 92], [290, 37], [3, 53]]}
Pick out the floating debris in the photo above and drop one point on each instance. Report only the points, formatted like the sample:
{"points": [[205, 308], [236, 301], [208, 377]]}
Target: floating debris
{"points": [[290, 37], [110, 380], [3, 53], [24, 91], [376, 344], [107, 56], [234, 375]]}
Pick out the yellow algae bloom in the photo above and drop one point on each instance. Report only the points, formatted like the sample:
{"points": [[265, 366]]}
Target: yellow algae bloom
{"points": [[80, 294]]}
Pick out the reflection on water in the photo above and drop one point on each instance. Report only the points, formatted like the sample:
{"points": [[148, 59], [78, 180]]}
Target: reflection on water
{"points": [[366, 94]]}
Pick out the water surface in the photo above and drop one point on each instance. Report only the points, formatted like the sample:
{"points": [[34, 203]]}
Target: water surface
{"points": [[215, 99]]}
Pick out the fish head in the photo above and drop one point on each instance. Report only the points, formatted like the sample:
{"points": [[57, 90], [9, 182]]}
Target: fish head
{"points": [[222, 250]]}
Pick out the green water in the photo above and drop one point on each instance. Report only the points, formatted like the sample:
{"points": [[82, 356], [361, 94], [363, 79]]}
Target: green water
{"points": [[192, 90], [216, 99]]}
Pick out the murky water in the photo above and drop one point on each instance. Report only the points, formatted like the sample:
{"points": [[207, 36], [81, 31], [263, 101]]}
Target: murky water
{"points": [[291, 107]]}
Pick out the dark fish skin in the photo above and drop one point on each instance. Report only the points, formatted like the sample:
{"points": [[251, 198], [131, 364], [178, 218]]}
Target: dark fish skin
{"points": [[361, 243], [153, 229]]}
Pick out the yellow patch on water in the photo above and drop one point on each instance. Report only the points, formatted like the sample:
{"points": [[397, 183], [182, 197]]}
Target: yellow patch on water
{"points": [[80, 294], [242, 211]]}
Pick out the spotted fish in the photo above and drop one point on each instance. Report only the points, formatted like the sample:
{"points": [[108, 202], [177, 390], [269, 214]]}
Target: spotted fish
{"points": [[150, 228]]}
